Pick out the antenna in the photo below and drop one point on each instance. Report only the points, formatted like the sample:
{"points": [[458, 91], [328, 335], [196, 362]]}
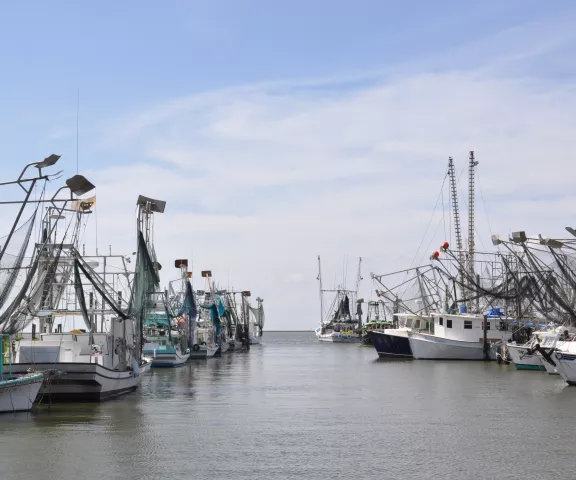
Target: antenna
{"points": [[77, 129], [321, 294]]}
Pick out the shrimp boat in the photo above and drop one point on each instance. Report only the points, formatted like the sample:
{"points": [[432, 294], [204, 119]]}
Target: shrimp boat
{"points": [[164, 343], [460, 337], [256, 323], [17, 392], [104, 359], [527, 355], [342, 325], [165, 333]]}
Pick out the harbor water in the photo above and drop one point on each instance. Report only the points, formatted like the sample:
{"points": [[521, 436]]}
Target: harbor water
{"points": [[293, 408]]}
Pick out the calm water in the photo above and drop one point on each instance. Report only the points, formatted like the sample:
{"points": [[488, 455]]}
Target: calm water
{"points": [[296, 409]]}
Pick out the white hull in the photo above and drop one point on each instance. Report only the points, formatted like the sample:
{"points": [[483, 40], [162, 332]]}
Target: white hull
{"points": [[430, 347], [204, 352], [550, 369], [524, 360], [167, 359], [337, 337], [84, 382], [566, 366], [333, 338], [19, 394]]}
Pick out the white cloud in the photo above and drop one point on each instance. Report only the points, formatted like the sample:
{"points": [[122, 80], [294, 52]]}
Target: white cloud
{"points": [[261, 179]]}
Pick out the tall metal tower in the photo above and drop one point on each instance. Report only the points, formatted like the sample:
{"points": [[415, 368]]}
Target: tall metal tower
{"points": [[471, 196], [457, 229]]}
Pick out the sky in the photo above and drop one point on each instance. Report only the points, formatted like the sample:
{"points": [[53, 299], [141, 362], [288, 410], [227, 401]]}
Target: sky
{"points": [[280, 131]]}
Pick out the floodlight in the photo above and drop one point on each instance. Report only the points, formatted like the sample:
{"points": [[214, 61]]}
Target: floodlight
{"points": [[79, 185], [518, 237], [155, 205], [48, 161]]}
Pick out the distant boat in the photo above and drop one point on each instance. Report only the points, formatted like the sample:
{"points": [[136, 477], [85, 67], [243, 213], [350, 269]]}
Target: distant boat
{"points": [[342, 325], [165, 343]]}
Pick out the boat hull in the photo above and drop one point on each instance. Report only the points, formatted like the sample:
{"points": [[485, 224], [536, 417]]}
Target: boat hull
{"points": [[338, 337], [83, 382], [224, 347], [19, 394], [566, 366], [168, 360], [550, 369], [204, 352], [391, 345], [523, 360], [429, 347]]}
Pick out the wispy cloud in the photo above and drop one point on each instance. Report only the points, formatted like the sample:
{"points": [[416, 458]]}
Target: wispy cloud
{"points": [[261, 178]]}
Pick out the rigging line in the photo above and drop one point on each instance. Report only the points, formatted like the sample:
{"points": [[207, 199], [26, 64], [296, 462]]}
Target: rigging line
{"points": [[96, 221], [429, 245], [483, 202], [429, 222]]}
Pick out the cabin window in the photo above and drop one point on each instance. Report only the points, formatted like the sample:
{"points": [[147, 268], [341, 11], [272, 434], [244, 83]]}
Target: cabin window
{"points": [[467, 324], [487, 325], [441, 321], [448, 323]]}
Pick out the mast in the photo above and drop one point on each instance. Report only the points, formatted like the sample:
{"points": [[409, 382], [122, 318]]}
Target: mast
{"points": [[422, 292], [471, 197], [359, 301], [319, 278], [457, 229]]}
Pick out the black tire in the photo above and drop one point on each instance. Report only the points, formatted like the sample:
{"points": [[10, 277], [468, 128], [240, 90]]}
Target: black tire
{"points": [[196, 347]]}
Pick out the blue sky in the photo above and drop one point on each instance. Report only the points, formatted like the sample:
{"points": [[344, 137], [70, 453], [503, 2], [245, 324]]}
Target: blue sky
{"points": [[269, 125]]}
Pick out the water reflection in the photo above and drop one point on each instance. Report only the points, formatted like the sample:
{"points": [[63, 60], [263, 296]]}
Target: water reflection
{"points": [[294, 408]]}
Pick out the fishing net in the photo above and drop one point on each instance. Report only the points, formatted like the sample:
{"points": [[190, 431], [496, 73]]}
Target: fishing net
{"points": [[13, 257]]}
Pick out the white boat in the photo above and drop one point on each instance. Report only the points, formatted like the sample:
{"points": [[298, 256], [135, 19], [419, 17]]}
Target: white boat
{"points": [[17, 392], [566, 364], [85, 372], [256, 324], [525, 356], [203, 351], [165, 341], [331, 336], [163, 353], [561, 341], [206, 346], [344, 324], [459, 337]]}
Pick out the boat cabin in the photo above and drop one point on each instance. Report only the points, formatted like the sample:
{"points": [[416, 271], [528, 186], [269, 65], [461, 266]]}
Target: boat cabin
{"points": [[467, 327], [410, 321]]}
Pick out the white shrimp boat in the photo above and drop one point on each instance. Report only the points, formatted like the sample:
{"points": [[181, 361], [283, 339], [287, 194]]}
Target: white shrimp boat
{"points": [[458, 337]]}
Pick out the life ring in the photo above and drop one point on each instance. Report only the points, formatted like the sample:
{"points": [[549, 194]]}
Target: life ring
{"points": [[196, 347]]}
